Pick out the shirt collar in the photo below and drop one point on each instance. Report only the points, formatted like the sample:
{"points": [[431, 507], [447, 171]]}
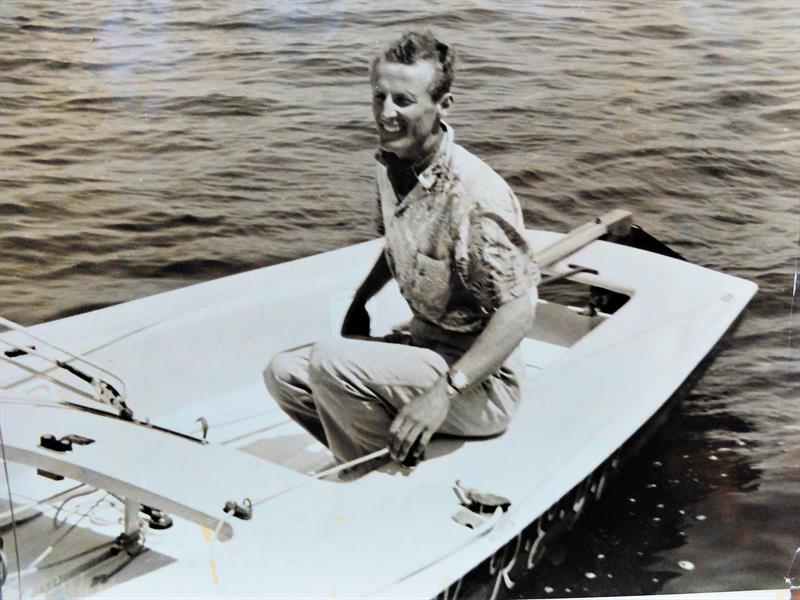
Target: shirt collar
{"points": [[427, 178]]}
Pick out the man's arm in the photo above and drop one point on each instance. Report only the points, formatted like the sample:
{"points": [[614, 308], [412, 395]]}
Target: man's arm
{"points": [[504, 332], [356, 321], [422, 417]]}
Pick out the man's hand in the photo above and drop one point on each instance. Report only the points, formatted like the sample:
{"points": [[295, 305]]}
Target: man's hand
{"points": [[416, 423], [356, 321]]}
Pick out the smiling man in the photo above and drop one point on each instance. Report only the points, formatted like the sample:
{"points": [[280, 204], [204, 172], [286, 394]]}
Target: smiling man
{"points": [[454, 241]]}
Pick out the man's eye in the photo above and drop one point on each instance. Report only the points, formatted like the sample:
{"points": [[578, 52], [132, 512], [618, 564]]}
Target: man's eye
{"points": [[402, 101], [379, 96]]}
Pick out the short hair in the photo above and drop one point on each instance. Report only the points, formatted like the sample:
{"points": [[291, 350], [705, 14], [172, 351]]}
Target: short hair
{"points": [[414, 46]]}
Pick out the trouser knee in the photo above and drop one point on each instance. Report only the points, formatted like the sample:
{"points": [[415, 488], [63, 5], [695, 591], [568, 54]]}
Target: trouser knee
{"points": [[335, 373], [323, 362], [277, 375]]}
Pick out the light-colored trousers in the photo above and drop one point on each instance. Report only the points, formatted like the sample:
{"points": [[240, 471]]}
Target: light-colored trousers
{"points": [[346, 392]]}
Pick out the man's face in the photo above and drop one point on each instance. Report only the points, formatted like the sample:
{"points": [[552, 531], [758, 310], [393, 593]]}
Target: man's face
{"points": [[406, 116]]}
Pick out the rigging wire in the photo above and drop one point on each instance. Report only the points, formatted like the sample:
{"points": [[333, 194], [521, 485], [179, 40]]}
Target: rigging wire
{"points": [[104, 392], [60, 580], [56, 524], [11, 505], [65, 404], [72, 355], [42, 502], [34, 566], [47, 377]]}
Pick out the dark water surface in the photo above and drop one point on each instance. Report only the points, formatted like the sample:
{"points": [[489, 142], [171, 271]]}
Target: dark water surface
{"points": [[149, 145]]}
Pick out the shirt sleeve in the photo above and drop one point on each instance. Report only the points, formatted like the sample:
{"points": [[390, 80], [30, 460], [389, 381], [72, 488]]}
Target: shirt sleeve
{"points": [[499, 263]]}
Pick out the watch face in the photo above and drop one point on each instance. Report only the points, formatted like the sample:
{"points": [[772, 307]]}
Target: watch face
{"points": [[458, 380]]}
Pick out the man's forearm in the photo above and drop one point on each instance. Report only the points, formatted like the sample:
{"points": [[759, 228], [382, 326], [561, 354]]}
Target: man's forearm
{"points": [[418, 420], [378, 277], [503, 333]]}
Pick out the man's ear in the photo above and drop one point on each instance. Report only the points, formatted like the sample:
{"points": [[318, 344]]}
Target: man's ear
{"points": [[445, 102]]}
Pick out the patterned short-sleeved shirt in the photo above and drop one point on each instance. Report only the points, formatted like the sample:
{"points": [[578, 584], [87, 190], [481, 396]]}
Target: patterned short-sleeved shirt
{"points": [[456, 242]]}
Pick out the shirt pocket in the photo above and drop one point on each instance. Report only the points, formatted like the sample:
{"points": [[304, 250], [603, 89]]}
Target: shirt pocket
{"points": [[430, 287]]}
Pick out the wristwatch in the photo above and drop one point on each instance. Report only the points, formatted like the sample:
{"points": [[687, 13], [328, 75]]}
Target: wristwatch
{"points": [[457, 382]]}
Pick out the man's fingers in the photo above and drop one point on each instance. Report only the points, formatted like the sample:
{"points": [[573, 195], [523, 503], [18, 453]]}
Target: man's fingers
{"points": [[399, 419], [424, 440], [408, 441], [422, 443], [400, 434], [395, 426]]}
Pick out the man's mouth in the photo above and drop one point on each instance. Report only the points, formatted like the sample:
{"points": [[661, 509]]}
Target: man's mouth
{"points": [[390, 128]]}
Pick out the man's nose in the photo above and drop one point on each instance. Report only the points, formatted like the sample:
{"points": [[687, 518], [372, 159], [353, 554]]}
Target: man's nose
{"points": [[388, 109]]}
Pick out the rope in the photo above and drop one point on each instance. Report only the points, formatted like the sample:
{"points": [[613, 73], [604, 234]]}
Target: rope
{"points": [[325, 473], [24, 330], [349, 465]]}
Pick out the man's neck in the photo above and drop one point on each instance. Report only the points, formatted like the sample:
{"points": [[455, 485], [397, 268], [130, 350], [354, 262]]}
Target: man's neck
{"points": [[429, 151]]}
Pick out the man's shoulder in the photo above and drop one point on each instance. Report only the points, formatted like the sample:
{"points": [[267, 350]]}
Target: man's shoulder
{"points": [[475, 173], [481, 182]]}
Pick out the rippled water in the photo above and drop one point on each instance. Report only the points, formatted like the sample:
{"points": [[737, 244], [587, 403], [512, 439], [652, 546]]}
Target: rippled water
{"points": [[148, 145]]}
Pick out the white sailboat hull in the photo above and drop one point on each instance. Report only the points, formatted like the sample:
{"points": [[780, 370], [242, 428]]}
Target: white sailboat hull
{"points": [[200, 351]]}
